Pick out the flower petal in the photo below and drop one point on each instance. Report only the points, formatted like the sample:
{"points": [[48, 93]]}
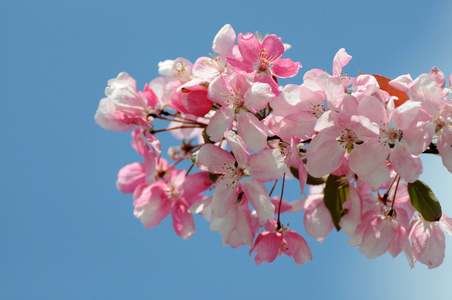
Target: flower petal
{"points": [[257, 195], [252, 131], [214, 159]]}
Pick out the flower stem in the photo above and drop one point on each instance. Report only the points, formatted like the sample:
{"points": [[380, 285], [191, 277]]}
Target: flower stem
{"points": [[278, 223]]}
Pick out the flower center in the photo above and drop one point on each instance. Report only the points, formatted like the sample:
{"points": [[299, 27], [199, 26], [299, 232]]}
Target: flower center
{"points": [[264, 62], [234, 99], [442, 122], [181, 72], [390, 135], [317, 110], [215, 63], [347, 138]]}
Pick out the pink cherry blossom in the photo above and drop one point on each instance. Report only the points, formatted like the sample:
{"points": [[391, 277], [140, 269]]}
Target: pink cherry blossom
{"points": [[262, 60], [428, 240], [273, 242], [174, 73], [175, 195], [338, 131], [191, 98], [242, 130], [266, 165], [317, 219], [239, 226], [223, 44], [295, 112], [130, 176], [239, 99], [125, 107]]}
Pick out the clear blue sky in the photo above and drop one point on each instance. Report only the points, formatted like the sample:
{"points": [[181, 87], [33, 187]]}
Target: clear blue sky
{"points": [[67, 233]]}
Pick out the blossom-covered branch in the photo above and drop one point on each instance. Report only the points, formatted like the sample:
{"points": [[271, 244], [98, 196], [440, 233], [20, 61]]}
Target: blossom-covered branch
{"points": [[352, 142]]}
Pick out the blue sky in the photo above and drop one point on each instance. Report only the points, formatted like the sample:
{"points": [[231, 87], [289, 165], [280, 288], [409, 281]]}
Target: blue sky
{"points": [[67, 233]]}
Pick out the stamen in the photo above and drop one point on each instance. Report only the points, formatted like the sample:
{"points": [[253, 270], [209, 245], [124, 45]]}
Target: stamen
{"points": [[348, 138]]}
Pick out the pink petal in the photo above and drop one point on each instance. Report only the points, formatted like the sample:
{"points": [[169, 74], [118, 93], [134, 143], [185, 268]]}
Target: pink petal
{"points": [[224, 225], [225, 194], [224, 41], [373, 109], [214, 159], [154, 142], [302, 176], [149, 165], [220, 122], [333, 89], [403, 240], [426, 90], [149, 94], [238, 148], [273, 46], [241, 66], [285, 68], [203, 68], [258, 96], [249, 47], [418, 137], [445, 149], [408, 166], [182, 221], [353, 204], [365, 86], [438, 76], [363, 127], [297, 247], [285, 207], [377, 238], [219, 90], [340, 60], [357, 236], [324, 155], [252, 131], [244, 227], [267, 78], [257, 195], [367, 156], [317, 220], [267, 246], [368, 161], [130, 176], [402, 83], [267, 165], [407, 113], [106, 117], [193, 185], [429, 244], [446, 224], [197, 103], [152, 205], [239, 82]]}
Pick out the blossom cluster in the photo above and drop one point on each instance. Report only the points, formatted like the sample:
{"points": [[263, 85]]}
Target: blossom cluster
{"points": [[352, 142]]}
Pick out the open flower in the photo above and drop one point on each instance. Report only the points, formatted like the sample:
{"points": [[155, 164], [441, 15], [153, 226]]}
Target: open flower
{"points": [[429, 245], [262, 60], [266, 165], [273, 242]]}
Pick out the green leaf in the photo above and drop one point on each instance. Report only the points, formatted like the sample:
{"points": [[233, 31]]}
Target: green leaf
{"points": [[205, 84], [424, 201], [311, 180], [213, 177], [193, 156], [206, 137], [294, 172], [316, 180], [336, 192]]}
